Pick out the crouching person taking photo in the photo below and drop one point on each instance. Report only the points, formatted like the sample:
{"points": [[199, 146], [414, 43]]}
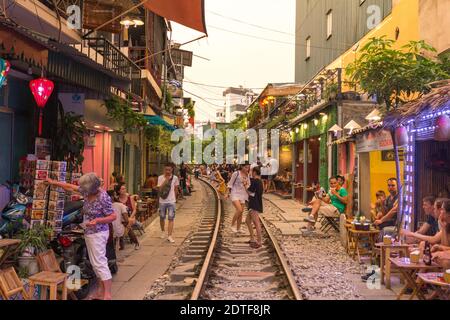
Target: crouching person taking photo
{"points": [[97, 215]]}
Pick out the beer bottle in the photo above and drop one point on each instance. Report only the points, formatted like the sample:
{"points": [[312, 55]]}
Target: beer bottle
{"points": [[427, 254]]}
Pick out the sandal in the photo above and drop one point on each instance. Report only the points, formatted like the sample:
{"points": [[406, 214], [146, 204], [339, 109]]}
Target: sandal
{"points": [[251, 241], [255, 245]]}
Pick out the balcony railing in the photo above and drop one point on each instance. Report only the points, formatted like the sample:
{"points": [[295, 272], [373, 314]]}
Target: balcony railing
{"points": [[111, 58], [139, 54]]}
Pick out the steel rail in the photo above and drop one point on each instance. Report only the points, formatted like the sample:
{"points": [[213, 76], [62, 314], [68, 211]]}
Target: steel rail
{"points": [[201, 281], [284, 264]]}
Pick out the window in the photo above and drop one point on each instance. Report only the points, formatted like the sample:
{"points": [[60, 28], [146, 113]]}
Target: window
{"points": [[308, 48], [329, 24]]}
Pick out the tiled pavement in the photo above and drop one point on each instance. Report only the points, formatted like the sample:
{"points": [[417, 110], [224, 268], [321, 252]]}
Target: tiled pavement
{"points": [[140, 268]]}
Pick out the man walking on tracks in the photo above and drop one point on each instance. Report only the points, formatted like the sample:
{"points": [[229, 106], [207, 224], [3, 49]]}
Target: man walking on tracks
{"points": [[168, 192]]}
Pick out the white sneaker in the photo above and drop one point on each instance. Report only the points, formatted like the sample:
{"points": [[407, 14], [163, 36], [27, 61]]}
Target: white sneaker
{"points": [[170, 239], [233, 228], [163, 235], [310, 219]]}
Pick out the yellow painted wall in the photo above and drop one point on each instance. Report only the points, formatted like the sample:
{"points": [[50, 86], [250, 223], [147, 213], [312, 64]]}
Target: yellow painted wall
{"points": [[380, 171], [405, 16]]}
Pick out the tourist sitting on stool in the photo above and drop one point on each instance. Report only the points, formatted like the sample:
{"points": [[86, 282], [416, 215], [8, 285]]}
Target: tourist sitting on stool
{"points": [[432, 210], [441, 252], [378, 210], [389, 220], [328, 204]]}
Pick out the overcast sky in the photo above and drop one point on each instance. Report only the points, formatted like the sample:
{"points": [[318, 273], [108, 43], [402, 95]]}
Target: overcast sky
{"points": [[237, 59]]}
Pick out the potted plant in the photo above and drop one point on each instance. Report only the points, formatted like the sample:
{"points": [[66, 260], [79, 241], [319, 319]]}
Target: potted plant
{"points": [[331, 91], [32, 242]]}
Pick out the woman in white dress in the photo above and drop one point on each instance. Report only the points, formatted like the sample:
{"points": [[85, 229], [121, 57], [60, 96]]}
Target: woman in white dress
{"points": [[238, 184]]}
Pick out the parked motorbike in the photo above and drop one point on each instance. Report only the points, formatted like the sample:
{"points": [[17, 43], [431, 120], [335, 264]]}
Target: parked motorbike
{"points": [[72, 247], [13, 215]]}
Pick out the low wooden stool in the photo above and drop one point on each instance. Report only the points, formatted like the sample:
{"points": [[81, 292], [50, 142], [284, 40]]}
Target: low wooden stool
{"points": [[51, 280], [11, 285], [47, 262]]}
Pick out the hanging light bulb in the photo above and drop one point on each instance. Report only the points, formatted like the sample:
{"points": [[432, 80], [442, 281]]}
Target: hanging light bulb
{"points": [[138, 22], [127, 22]]}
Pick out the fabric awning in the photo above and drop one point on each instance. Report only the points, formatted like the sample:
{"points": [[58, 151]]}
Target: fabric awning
{"points": [[158, 121], [190, 13]]}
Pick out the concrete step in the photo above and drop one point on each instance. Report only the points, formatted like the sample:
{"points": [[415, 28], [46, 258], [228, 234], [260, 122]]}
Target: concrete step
{"points": [[178, 287], [173, 296], [191, 257], [176, 276]]}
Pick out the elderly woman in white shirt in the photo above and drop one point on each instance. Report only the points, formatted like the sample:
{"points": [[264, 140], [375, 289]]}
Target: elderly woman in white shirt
{"points": [[238, 184]]}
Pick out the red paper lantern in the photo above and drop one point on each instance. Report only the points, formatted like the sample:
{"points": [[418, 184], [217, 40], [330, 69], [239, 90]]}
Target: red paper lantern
{"points": [[442, 132], [41, 89], [401, 136]]}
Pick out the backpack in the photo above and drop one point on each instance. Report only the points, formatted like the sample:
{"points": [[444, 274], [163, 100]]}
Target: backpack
{"points": [[164, 190]]}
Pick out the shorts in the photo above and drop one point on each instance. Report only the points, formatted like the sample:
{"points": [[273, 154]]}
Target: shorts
{"points": [[264, 177], [233, 199], [167, 208], [328, 210]]}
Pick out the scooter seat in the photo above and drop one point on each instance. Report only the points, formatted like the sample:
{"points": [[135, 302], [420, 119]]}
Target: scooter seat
{"points": [[72, 206]]}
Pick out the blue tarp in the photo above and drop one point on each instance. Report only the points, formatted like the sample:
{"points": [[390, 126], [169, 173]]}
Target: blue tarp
{"points": [[158, 121]]}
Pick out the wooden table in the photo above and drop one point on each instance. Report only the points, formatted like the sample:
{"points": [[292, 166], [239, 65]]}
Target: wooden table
{"points": [[409, 272], [356, 236], [436, 280], [7, 245], [385, 264]]}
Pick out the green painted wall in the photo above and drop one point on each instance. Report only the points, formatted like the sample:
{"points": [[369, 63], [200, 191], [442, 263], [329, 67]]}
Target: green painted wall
{"points": [[321, 129]]}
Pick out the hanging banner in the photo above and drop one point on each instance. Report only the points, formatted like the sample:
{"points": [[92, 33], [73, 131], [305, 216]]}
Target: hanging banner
{"points": [[374, 141], [72, 102]]}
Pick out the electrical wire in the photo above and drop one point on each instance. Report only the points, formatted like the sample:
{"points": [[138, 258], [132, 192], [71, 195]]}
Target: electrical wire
{"points": [[215, 86], [277, 41], [203, 99], [250, 24]]}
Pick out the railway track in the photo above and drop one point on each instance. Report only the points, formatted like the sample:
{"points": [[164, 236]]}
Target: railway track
{"points": [[220, 265]]}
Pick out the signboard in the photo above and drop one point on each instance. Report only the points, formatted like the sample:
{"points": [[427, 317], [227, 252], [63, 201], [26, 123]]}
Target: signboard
{"points": [[43, 148], [72, 102], [374, 141]]}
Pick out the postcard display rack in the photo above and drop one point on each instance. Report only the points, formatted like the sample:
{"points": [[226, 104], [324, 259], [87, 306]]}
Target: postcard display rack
{"points": [[48, 202]]}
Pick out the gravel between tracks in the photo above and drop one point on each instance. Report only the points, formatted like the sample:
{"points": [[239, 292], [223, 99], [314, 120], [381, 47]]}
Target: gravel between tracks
{"points": [[320, 264]]}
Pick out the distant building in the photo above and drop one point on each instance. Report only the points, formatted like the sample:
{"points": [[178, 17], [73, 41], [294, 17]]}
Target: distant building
{"points": [[236, 101], [220, 115]]}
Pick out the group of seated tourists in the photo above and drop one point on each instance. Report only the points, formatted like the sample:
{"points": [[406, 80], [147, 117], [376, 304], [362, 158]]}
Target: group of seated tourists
{"points": [[435, 230], [331, 203], [282, 181]]}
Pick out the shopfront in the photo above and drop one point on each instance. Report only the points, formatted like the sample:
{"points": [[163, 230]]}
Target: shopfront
{"points": [[311, 153], [375, 164], [423, 131]]}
